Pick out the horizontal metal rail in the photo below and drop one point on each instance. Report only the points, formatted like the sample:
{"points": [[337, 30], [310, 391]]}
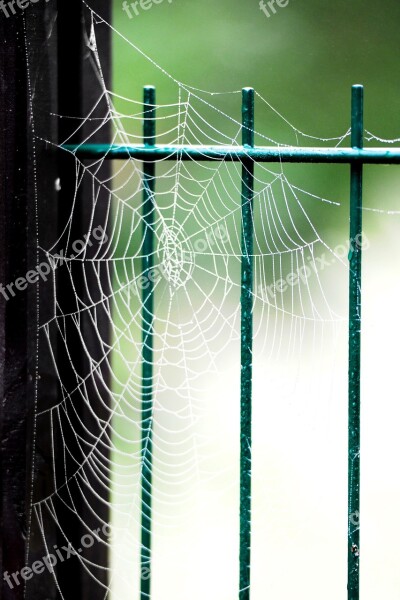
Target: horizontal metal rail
{"points": [[266, 154]]}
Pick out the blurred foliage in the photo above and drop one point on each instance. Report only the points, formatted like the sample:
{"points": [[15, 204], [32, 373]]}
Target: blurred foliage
{"points": [[303, 60]]}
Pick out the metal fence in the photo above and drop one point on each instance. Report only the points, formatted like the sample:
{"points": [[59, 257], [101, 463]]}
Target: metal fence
{"points": [[355, 156]]}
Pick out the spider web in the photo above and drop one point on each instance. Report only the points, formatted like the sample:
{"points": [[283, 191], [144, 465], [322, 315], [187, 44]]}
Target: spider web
{"points": [[196, 334]]}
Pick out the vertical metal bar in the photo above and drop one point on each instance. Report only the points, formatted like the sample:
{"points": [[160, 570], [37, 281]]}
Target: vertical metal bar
{"points": [[149, 135], [355, 252], [246, 345]]}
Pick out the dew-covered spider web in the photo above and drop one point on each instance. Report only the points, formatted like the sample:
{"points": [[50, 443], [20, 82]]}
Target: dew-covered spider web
{"points": [[94, 334]]}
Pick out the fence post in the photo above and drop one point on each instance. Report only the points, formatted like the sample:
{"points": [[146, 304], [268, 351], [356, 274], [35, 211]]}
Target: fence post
{"points": [[355, 252], [246, 344], [16, 392]]}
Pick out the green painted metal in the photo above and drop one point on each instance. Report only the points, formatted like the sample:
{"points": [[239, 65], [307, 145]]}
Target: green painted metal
{"points": [[246, 301], [284, 154], [247, 154], [357, 128], [149, 134]]}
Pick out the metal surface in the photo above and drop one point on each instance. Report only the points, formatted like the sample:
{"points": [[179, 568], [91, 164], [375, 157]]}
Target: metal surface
{"points": [[357, 128], [149, 134], [389, 156], [246, 336]]}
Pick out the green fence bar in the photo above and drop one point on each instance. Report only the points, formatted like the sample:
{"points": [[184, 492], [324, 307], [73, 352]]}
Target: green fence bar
{"points": [[246, 345], [357, 127], [262, 154], [149, 134]]}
